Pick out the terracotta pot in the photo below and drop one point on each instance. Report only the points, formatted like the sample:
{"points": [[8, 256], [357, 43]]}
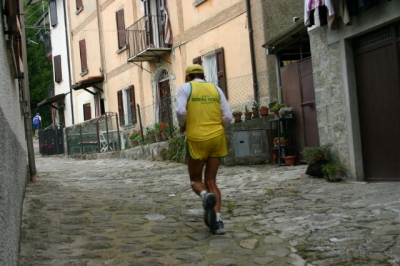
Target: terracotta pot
{"points": [[151, 138], [290, 160], [263, 111], [158, 136], [238, 118], [134, 142], [247, 115], [164, 136], [256, 113], [276, 115]]}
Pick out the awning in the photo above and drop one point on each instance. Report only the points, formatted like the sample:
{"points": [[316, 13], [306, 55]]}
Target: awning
{"points": [[52, 99], [291, 41], [89, 82]]}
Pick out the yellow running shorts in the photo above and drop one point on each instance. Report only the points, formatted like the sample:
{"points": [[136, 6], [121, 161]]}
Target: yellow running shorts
{"points": [[202, 150]]}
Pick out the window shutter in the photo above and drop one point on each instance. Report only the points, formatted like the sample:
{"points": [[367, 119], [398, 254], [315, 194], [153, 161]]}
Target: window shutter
{"points": [[120, 108], [197, 60], [82, 48], [53, 13], [121, 28], [78, 4], [57, 69], [221, 74], [148, 23], [87, 112], [133, 103]]}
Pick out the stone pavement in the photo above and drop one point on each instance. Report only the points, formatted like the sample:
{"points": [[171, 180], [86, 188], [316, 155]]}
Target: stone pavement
{"points": [[142, 212]]}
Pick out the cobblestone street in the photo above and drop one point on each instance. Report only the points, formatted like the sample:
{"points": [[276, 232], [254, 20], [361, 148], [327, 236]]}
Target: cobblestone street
{"points": [[138, 212]]}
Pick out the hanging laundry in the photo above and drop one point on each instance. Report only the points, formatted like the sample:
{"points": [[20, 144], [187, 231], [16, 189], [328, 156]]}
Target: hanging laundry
{"points": [[325, 10]]}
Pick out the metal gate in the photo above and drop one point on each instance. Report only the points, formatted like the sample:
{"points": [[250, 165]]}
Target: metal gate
{"points": [[377, 65]]}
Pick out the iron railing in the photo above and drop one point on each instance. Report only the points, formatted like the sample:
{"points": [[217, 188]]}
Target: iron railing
{"points": [[147, 32]]}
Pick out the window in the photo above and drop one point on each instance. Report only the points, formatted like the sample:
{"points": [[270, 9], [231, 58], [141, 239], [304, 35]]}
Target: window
{"points": [[127, 106], [53, 13], [57, 69], [214, 68], [82, 49], [121, 29], [79, 5], [87, 112]]}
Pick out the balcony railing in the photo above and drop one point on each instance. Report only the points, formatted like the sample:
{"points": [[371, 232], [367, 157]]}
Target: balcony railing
{"points": [[145, 39]]}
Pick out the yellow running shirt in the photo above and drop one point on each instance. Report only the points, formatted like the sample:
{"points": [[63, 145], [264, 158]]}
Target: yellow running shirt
{"points": [[204, 116]]}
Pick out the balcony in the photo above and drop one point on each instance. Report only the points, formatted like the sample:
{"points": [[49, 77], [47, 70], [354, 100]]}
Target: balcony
{"points": [[146, 39]]}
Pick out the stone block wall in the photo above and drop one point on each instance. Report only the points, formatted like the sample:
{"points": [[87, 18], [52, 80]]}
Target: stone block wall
{"points": [[13, 161], [329, 95]]}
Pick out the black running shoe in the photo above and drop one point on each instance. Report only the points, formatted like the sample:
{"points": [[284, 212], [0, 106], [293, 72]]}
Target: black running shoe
{"points": [[219, 228], [210, 216]]}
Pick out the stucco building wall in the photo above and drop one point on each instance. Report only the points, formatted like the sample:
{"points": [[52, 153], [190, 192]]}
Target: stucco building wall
{"points": [[13, 158]]}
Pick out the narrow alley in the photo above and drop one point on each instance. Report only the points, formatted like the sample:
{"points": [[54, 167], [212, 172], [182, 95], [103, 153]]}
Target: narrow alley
{"points": [[138, 212]]}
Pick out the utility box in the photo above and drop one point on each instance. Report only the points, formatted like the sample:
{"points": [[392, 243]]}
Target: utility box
{"points": [[250, 143]]}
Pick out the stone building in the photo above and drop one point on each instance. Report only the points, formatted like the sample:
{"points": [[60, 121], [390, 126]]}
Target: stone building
{"points": [[356, 89], [14, 108]]}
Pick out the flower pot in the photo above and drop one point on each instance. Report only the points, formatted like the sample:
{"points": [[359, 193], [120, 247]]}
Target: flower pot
{"points": [[247, 115], [290, 160], [256, 113], [276, 115], [151, 138], [263, 111], [134, 142], [158, 137], [238, 118], [164, 136], [284, 142]]}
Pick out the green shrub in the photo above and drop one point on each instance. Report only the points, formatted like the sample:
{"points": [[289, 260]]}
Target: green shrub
{"points": [[314, 154], [177, 149]]}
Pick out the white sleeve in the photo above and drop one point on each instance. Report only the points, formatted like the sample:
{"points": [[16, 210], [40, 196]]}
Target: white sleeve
{"points": [[225, 109], [181, 102]]}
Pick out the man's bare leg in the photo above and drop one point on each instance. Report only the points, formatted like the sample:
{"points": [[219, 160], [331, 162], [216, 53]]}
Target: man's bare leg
{"points": [[210, 179]]}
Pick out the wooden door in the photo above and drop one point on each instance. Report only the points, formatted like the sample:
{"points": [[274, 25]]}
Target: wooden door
{"points": [[165, 104], [377, 65]]}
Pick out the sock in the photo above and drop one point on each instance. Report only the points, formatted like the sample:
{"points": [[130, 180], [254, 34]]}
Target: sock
{"points": [[203, 193], [218, 216]]}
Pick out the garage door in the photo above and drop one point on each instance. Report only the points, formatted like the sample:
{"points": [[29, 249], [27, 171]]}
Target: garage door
{"points": [[377, 63]]}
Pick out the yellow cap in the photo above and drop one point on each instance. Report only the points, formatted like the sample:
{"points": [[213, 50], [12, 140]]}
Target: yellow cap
{"points": [[194, 69]]}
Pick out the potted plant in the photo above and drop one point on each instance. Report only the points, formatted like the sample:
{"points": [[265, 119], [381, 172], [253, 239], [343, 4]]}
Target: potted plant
{"points": [[247, 113], [316, 157], [332, 172], [275, 109], [256, 109], [263, 110], [286, 112], [157, 133], [150, 134], [290, 160], [238, 116], [164, 129], [133, 137]]}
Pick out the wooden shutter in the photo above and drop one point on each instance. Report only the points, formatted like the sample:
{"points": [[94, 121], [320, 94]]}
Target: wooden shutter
{"points": [[79, 4], [197, 60], [219, 54], [121, 28], [120, 108], [148, 23], [53, 13], [57, 69], [133, 103], [82, 49], [87, 112]]}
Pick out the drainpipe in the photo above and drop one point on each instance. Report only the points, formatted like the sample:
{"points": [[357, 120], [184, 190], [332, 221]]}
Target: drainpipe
{"points": [[252, 53], [26, 99], [69, 62]]}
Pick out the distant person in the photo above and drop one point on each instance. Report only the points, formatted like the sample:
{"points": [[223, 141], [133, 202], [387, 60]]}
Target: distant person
{"points": [[203, 112], [37, 123]]}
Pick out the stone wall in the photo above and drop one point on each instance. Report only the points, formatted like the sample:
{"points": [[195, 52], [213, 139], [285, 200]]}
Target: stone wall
{"points": [[13, 158], [329, 95]]}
